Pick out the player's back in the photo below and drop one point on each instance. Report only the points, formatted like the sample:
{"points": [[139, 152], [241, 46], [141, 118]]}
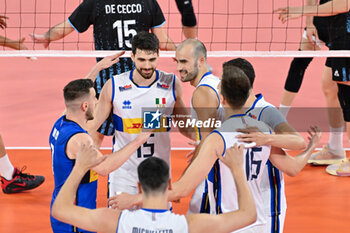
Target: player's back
{"points": [[62, 165], [272, 182], [225, 197], [151, 220]]}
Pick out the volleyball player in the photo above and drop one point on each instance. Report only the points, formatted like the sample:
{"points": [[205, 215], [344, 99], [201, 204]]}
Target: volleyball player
{"points": [[115, 22], [235, 89], [315, 35], [128, 96], [338, 32], [68, 135], [191, 58], [272, 181], [154, 183]]}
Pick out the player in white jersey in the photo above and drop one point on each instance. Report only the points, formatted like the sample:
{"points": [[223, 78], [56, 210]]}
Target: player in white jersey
{"points": [[133, 97], [234, 92], [154, 183], [191, 58], [272, 183], [235, 89]]}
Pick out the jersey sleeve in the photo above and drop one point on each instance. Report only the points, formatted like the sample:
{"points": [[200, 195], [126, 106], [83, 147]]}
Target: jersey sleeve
{"points": [[157, 15], [272, 117], [82, 17]]}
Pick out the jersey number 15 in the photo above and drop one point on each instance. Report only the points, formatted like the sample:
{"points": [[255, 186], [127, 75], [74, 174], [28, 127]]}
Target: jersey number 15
{"points": [[124, 32]]}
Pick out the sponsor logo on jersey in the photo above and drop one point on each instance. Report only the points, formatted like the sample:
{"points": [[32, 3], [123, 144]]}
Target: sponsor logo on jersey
{"points": [[124, 88], [336, 73], [163, 86], [126, 104], [151, 119], [135, 126], [252, 116]]}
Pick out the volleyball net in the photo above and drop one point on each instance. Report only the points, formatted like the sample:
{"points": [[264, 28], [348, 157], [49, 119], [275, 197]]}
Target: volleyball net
{"points": [[227, 28]]}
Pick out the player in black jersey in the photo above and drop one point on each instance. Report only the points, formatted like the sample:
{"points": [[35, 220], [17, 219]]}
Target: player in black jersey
{"points": [[315, 35], [339, 36], [188, 18], [115, 22]]}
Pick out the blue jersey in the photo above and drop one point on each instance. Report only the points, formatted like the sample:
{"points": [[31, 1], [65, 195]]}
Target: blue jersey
{"points": [[62, 166]]}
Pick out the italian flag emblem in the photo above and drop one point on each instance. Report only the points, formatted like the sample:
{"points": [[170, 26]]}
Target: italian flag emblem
{"points": [[160, 99]]}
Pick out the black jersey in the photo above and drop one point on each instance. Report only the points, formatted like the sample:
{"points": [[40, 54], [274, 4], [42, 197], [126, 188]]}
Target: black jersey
{"points": [[115, 23]]}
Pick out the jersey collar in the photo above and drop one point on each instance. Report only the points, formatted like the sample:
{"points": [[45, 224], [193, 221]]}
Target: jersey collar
{"points": [[131, 79]]}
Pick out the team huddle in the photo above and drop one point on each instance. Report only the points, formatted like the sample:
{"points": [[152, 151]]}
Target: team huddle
{"points": [[218, 191], [236, 170]]}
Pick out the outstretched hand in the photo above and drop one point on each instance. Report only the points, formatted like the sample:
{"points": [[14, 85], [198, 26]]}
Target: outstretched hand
{"points": [[40, 38], [3, 24], [88, 157], [108, 61], [123, 201], [233, 156], [287, 13], [314, 137]]}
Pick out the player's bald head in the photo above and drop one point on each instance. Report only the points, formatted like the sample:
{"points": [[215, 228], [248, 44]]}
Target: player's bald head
{"points": [[198, 48]]}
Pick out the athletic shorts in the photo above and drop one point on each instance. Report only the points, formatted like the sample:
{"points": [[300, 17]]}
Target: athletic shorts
{"points": [[321, 24], [341, 65]]}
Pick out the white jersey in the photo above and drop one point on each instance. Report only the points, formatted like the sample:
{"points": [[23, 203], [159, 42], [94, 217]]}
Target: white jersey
{"points": [[151, 220], [224, 193], [199, 201], [132, 104], [272, 183]]}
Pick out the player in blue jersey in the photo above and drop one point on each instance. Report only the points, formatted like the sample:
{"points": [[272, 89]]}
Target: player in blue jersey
{"points": [[115, 22], [154, 183], [339, 35], [68, 135]]}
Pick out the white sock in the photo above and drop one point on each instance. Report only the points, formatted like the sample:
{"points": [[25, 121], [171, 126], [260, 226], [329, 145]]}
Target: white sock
{"points": [[284, 109], [6, 168], [335, 141]]}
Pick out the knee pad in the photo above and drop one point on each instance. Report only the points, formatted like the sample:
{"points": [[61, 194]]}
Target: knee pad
{"points": [[296, 73], [344, 100], [188, 17]]}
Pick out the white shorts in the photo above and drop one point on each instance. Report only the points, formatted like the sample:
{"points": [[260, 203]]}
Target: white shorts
{"points": [[196, 200], [275, 224]]}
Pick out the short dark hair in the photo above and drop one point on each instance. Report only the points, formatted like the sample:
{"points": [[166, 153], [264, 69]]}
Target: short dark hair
{"points": [[145, 41], [235, 86], [77, 89], [244, 65], [153, 175]]}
